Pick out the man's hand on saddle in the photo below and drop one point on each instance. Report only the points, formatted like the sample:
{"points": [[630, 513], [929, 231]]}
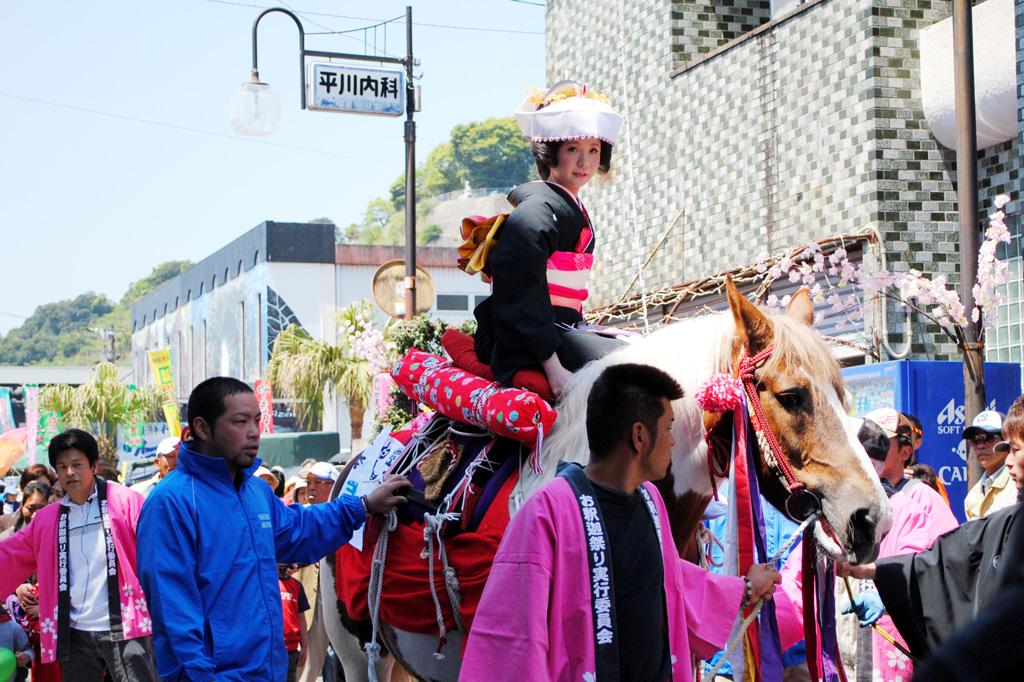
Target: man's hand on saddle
{"points": [[558, 376], [386, 496], [763, 579]]}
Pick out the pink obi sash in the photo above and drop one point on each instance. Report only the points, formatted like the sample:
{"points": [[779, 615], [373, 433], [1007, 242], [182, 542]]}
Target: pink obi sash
{"points": [[568, 272]]}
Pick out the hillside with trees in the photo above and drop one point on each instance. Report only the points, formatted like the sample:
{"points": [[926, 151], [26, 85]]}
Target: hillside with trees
{"points": [[489, 153], [72, 331]]}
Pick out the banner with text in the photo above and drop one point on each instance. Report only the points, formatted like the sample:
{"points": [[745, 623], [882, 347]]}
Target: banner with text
{"points": [[6, 411], [160, 361], [266, 401], [31, 420]]}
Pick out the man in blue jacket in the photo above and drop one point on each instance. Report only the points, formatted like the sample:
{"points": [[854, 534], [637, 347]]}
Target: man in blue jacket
{"points": [[211, 535]]}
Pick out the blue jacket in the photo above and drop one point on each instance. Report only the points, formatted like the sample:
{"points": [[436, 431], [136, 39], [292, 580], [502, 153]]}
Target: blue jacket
{"points": [[207, 557]]}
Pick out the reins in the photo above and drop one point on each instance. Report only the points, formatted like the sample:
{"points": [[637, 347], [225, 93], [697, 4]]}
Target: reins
{"points": [[771, 451]]}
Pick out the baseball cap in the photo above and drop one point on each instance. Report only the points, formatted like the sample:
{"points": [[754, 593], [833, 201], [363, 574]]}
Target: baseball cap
{"points": [[323, 470], [891, 422], [167, 445], [874, 440], [262, 472], [987, 421]]}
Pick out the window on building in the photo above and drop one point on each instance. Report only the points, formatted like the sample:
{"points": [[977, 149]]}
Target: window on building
{"points": [[452, 303], [480, 298], [226, 273], [239, 269], [256, 258]]}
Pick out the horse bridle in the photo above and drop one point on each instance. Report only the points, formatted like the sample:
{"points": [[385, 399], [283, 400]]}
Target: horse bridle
{"points": [[771, 449]]}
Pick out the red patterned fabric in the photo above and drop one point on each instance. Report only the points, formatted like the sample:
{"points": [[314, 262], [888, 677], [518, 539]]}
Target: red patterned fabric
{"points": [[460, 348], [510, 412], [406, 601]]}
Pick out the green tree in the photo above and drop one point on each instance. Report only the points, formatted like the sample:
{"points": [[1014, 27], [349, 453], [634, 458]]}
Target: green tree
{"points": [[64, 332], [101, 405], [159, 275], [492, 153]]}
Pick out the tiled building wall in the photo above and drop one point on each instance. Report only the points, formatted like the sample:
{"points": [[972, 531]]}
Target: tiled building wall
{"points": [[810, 128], [699, 27]]}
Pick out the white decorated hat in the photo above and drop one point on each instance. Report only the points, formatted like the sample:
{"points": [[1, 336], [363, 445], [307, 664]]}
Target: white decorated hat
{"points": [[568, 111]]}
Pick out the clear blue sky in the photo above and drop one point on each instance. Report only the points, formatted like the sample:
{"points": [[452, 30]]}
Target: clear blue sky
{"points": [[137, 163]]}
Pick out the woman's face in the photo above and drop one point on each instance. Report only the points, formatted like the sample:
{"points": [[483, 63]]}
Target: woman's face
{"points": [[577, 163], [32, 504]]}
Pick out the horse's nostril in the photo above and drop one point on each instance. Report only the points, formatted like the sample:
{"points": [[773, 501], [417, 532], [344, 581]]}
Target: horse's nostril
{"points": [[861, 533]]}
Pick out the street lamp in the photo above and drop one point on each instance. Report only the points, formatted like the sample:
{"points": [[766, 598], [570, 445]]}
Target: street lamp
{"points": [[256, 110]]}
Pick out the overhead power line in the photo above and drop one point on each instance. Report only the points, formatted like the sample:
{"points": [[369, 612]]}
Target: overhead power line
{"points": [[382, 22], [189, 129]]}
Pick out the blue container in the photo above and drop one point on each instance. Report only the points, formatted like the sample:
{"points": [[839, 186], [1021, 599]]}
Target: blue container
{"points": [[933, 391]]}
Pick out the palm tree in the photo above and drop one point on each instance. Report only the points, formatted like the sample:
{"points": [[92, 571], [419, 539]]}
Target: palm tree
{"points": [[305, 369], [101, 405]]}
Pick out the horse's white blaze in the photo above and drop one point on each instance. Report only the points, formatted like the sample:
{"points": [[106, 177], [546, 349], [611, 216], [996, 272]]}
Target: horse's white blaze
{"points": [[840, 504]]}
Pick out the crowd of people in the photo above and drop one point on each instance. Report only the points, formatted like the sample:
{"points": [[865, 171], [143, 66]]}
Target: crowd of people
{"points": [[209, 570], [186, 576]]}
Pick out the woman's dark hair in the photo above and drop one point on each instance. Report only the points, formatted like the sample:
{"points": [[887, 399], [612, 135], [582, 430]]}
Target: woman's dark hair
{"points": [[925, 474], [34, 473], [41, 487], [207, 399], [622, 396], [33, 488], [546, 156], [74, 439]]}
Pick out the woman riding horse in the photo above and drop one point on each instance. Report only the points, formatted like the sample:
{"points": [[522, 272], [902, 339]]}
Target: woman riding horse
{"points": [[545, 251]]}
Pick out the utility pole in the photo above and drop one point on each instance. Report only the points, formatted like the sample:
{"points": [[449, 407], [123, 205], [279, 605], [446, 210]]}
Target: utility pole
{"points": [[972, 345], [410, 174]]}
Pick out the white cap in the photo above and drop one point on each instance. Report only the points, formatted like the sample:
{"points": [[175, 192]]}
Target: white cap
{"points": [[580, 114], [987, 421], [889, 419], [167, 445], [323, 470], [263, 472]]}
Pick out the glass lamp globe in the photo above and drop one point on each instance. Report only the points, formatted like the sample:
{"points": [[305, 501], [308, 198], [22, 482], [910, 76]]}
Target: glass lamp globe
{"points": [[255, 108]]}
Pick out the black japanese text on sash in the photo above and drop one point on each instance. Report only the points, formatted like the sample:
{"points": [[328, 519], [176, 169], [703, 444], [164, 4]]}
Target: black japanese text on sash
{"points": [[606, 647]]}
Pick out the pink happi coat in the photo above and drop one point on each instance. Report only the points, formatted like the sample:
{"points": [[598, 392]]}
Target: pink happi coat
{"points": [[535, 621], [34, 550]]}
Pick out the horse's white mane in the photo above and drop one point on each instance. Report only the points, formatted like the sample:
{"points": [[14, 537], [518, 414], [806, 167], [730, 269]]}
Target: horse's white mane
{"points": [[690, 351]]}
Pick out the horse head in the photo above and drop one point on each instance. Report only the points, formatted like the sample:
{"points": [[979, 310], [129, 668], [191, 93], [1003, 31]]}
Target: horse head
{"points": [[803, 400]]}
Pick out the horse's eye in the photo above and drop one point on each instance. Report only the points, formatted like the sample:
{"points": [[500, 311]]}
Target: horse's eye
{"points": [[791, 400]]}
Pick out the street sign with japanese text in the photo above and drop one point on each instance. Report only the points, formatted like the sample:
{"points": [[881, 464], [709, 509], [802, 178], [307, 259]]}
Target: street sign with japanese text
{"points": [[356, 90]]}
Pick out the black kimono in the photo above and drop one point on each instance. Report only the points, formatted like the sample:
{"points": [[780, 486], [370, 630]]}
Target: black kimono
{"points": [[932, 594], [517, 325]]}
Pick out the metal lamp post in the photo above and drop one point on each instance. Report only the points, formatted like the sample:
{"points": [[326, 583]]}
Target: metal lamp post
{"points": [[256, 110]]}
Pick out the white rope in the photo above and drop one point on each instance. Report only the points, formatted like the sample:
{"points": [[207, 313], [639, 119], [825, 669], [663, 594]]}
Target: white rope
{"points": [[431, 529], [741, 625], [380, 553]]}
